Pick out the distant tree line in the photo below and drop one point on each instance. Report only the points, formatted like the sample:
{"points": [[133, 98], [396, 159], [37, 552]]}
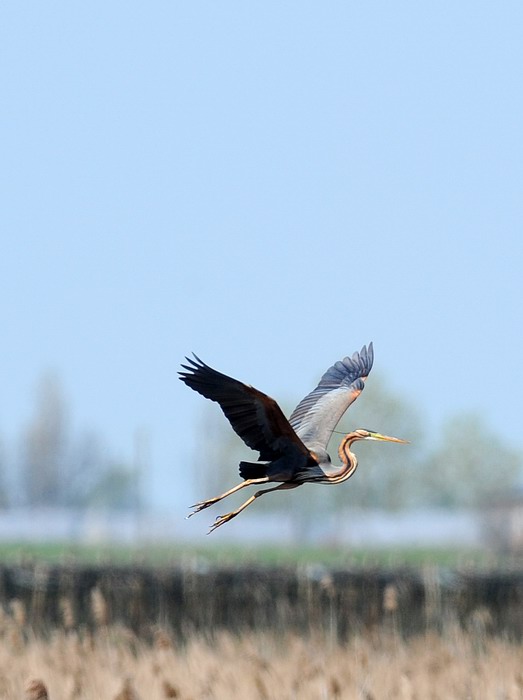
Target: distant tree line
{"points": [[54, 467], [465, 465]]}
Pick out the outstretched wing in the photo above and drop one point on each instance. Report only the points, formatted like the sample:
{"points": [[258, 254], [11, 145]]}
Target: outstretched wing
{"points": [[316, 416], [254, 416]]}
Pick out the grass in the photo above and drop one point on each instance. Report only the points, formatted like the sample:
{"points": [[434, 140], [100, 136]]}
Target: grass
{"points": [[233, 555]]}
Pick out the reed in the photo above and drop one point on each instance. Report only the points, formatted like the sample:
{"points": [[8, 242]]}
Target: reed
{"points": [[259, 666], [261, 635]]}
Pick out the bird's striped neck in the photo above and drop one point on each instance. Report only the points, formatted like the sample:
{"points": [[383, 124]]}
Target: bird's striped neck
{"points": [[348, 458], [349, 464]]}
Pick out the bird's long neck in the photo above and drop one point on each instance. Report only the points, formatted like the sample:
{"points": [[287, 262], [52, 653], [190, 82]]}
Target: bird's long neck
{"points": [[348, 458]]}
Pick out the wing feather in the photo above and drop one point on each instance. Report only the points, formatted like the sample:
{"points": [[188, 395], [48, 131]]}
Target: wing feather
{"points": [[254, 416], [316, 416]]}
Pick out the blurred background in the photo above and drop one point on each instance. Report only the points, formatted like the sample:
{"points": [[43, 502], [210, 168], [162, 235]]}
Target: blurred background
{"points": [[270, 186]]}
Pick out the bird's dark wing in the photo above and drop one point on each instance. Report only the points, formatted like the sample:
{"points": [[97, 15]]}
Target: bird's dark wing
{"points": [[254, 416], [316, 416]]}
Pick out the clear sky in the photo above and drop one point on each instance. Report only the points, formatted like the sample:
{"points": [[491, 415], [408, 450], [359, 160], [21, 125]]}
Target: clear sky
{"points": [[270, 185]]}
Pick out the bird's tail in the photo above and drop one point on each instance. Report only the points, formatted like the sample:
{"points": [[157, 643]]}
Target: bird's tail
{"points": [[253, 470]]}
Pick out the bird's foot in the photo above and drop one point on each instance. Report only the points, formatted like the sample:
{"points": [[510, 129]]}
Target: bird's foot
{"points": [[201, 505], [221, 520]]}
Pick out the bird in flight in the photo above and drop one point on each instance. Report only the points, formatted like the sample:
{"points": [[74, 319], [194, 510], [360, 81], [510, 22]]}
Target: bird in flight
{"points": [[291, 452]]}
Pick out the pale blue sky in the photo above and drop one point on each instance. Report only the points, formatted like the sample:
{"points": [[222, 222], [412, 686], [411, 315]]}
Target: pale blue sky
{"points": [[269, 184]]}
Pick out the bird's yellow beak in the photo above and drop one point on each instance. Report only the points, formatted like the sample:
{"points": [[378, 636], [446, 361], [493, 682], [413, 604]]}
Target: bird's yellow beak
{"points": [[387, 438]]}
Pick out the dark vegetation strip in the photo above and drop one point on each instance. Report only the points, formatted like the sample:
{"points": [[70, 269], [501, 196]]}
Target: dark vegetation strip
{"points": [[255, 598]]}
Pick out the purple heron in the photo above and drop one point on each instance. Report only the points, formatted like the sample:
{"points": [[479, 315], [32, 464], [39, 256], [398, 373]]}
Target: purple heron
{"points": [[291, 452]]}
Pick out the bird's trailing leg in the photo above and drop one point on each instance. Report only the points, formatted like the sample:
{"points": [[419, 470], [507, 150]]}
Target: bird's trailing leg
{"points": [[201, 505], [222, 519]]}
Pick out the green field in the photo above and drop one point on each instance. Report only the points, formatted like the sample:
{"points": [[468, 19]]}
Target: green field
{"points": [[232, 555]]}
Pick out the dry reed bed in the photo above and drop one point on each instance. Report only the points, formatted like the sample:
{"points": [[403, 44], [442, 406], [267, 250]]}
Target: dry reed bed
{"points": [[113, 664], [98, 655]]}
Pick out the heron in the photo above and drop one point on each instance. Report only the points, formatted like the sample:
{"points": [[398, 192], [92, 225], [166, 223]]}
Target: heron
{"points": [[291, 451]]}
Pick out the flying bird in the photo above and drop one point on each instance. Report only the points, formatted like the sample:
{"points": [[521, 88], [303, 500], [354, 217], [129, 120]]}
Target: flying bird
{"points": [[291, 452]]}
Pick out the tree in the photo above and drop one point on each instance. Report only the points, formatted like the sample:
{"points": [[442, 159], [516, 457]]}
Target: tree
{"points": [[86, 465], [45, 446], [219, 451], [60, 470], [4, 500], [387, 475], [471, 465], [384, 479], [116, 488]]}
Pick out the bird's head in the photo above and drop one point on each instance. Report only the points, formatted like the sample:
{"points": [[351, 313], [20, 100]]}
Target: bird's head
{"points": [[362, 434]]}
